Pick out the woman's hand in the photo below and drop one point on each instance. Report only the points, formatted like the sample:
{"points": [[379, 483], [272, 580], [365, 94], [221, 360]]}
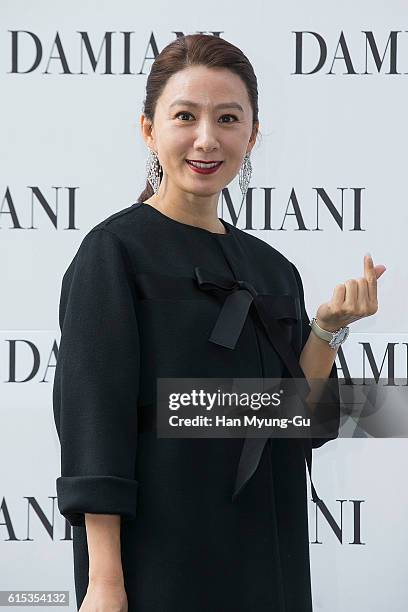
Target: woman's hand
{"points": [[105, 596], [352, 300]]}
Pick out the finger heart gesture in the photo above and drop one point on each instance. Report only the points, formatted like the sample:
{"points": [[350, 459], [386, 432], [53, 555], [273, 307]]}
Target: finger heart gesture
{"points": [[352, 300]]}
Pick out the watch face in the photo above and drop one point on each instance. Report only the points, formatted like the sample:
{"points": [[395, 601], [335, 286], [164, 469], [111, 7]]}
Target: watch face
{"points": [[340, 336]]}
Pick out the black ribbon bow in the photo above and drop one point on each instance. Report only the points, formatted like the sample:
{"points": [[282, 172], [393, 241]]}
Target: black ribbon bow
{"points": [[239, 296]]}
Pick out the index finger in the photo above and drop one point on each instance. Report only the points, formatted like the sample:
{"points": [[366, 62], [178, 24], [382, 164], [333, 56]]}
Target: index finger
{"points": [[370, 276]]}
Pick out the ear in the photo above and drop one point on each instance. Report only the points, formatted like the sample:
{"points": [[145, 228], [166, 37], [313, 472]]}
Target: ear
{"points": [[147, 130], [252, 140]]}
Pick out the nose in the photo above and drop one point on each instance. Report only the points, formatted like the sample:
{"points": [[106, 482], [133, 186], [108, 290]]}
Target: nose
{"points": [[206, 138]]}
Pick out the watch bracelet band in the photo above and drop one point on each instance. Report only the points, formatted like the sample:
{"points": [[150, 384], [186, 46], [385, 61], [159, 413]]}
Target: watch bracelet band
{"points": [[324, 334]]}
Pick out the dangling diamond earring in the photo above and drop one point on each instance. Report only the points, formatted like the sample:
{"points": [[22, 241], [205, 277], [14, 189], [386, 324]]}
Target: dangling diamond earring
{"points": [[245, 173], [153, 169]]}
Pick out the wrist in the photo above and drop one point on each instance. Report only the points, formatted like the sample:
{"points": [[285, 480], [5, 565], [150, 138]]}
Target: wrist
{"points": [[326, 326], [107, 579], [335, 337]]}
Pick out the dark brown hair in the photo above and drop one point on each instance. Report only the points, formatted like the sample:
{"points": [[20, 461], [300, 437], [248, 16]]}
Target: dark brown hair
{"points": [[196, 50]]}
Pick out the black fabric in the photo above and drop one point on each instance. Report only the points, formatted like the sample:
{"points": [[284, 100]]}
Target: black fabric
{"points": [[131, 310], [329, 402]]}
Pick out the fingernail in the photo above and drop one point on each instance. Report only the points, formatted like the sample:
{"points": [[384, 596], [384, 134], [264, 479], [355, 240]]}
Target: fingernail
{"points": [[368, 254]]}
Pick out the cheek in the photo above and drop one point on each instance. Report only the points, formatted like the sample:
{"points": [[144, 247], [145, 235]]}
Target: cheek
{"points": [[178, 151]]}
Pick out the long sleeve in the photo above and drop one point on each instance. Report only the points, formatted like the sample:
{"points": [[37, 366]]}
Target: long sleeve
{"points": [[329, 405], [96, 382]]}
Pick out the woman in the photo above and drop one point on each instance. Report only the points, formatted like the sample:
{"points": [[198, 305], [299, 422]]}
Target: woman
{"points": [[182, 525]]}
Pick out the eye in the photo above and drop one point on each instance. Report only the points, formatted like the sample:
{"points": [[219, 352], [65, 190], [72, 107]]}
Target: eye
{"points": [[183, 113], [234, 117], [188, 113]]}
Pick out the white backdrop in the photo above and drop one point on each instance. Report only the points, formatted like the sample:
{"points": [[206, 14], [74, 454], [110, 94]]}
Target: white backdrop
{"points": [[333, 143]]}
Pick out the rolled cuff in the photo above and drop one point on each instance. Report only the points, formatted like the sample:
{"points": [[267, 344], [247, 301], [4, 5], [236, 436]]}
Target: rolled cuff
{"points": [[77, 495]]}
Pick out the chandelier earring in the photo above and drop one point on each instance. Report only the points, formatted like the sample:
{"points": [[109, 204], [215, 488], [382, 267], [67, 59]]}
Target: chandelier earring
{"points": [[245, 173], [153, 170]]}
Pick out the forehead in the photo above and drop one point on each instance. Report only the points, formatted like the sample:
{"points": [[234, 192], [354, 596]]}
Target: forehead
{"points": [[205, 86]]}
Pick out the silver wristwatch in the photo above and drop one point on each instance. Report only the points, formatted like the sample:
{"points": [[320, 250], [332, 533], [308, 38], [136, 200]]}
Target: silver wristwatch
{"points": [[333, 338]]}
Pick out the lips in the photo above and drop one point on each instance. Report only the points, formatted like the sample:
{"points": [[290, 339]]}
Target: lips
{"points": [[200, 161], [204, 167]]}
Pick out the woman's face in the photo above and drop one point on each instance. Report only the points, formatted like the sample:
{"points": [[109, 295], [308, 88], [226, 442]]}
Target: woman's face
{"points": [[203, 114]]}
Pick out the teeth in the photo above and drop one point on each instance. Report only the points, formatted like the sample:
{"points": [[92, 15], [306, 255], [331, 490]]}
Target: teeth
{"points": [[203, 164]]}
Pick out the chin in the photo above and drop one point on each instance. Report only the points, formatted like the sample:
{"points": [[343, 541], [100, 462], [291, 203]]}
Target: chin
{"points": [[204, 193]]}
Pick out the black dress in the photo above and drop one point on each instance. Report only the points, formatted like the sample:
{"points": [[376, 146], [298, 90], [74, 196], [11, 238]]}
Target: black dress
{"points": [[199, 534]]}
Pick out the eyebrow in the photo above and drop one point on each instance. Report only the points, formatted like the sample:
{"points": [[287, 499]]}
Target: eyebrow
{"points": [[218, 106]]}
